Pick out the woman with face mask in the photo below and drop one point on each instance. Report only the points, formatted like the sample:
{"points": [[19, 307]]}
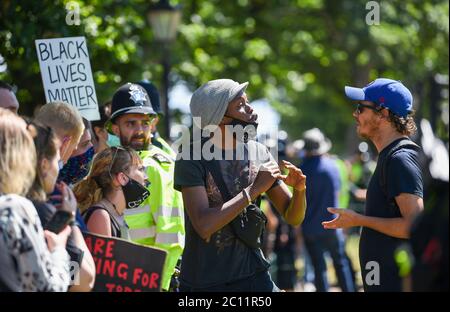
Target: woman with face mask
{"points": [[48, 165], [115, 182], [77, 167]]}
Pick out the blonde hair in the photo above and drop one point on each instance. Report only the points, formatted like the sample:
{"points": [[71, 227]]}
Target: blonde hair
{"points": [[17, 155], [105, 166], [63, 118]]}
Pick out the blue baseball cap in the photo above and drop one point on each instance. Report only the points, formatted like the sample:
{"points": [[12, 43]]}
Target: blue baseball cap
{"points": [[388, 93]]}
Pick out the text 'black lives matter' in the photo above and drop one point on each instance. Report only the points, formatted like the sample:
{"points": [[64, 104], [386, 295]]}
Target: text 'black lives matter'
{"points": [[66, 73]]}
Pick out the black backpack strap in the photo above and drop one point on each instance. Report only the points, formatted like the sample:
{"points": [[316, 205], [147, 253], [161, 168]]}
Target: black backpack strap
{"points": [[212, 166], [401, 144]]}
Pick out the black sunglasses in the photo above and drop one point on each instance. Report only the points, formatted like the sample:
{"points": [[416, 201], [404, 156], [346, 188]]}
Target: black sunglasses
{"points": [[360, 108]]}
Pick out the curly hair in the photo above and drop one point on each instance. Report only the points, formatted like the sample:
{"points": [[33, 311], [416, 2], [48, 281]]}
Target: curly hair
{"points": [[404, 125]]}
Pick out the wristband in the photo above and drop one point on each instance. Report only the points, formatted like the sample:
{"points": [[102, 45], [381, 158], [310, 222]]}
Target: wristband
{"points": [[247, 195]]}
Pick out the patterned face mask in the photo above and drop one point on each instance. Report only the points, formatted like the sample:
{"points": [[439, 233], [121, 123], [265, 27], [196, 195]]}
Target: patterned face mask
{"points": [[76, 168]]}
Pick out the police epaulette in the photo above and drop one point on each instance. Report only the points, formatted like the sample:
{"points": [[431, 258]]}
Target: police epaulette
{"points": [[161, 158]]}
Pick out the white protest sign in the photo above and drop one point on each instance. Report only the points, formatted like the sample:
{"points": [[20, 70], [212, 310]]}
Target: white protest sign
{"points": [[67, 75]]}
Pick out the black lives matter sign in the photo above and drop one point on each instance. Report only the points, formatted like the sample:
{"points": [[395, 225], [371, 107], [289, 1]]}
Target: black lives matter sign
{"points": [[67, 75], [123, 266]]}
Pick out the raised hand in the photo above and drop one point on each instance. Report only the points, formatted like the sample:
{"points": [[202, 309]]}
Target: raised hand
{"points": [[66, 201], [295, 178], [57, 240], [267, 175]]}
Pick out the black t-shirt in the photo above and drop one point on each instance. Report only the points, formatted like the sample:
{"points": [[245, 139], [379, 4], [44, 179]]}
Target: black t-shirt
{"points": [[46, 212], [403, 175], [224, 258]]}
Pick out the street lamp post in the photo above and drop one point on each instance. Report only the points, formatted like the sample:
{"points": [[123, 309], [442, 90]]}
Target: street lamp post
{"points": [[164, 20]]}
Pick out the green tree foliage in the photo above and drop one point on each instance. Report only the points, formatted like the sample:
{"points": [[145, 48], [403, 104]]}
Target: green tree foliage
{"points": [[297, 54]]}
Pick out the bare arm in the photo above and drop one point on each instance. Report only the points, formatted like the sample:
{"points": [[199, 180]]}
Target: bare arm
{"points": [[87, 269], [207, 220], [410, 205], [99, 223], [291, 207]]}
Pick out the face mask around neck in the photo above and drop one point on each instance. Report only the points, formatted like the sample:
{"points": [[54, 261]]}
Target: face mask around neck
{"points": [[135, 193], [249, 128]]}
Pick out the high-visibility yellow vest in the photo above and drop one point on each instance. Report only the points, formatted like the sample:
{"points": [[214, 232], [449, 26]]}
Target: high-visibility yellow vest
{"points": [[159, 221], [166, 148]]}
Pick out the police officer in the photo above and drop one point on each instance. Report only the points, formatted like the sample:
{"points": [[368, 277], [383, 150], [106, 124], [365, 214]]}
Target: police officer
{"points": [[159, 221]]}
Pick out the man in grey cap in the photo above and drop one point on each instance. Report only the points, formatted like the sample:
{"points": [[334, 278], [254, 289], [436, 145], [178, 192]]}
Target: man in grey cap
{"points": [[323, 188], [223, 227]]}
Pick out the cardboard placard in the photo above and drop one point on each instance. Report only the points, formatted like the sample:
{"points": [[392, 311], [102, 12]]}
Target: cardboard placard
{"points": [[123, 266], [67, 75]]}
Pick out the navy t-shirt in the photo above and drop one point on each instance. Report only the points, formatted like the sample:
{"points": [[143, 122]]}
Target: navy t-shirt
{"points": [[322, 188], [403, 175]]}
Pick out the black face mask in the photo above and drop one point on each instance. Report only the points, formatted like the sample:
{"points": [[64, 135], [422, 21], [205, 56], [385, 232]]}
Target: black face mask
{"points": [[250, 128], [134, 193]]}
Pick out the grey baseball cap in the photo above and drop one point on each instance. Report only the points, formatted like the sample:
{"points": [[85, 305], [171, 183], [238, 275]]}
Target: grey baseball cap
{"points": [[210, 101]]}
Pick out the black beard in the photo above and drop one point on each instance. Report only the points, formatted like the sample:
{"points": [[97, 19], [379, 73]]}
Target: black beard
{"points": [[136, 146]]}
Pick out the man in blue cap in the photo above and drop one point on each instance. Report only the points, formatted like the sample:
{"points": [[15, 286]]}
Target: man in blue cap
{"points": [[384, 115]]}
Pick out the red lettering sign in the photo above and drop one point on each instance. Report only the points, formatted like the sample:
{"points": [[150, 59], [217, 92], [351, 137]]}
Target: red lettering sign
{"points": [[123, 266]]}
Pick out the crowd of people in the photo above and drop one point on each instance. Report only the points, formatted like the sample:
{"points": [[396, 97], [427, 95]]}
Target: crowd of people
{"points": [[219, 205]]}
